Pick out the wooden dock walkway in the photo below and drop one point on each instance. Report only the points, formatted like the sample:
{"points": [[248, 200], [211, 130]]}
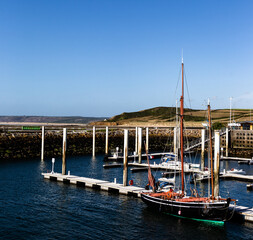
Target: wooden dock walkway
{"points": [[164, 167], [244, 214], [240, 177], [246, 160], [241, 213], [94, 183]]}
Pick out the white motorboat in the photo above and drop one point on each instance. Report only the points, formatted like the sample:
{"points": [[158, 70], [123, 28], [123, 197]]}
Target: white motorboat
{"points": [[234, 171]]}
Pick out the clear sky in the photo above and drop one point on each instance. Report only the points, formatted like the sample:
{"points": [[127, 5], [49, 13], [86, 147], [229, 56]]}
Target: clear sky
{"points": [[105, 57]]}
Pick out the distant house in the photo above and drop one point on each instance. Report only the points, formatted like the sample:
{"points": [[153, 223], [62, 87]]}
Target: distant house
{"points": [[246, 125]]}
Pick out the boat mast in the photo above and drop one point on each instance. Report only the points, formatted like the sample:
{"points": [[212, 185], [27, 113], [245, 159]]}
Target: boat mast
{"points": [[211, 146], [181, 128]]}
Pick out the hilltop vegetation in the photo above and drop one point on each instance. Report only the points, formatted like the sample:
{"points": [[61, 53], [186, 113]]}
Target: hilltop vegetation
{"points": [[167, 116]]}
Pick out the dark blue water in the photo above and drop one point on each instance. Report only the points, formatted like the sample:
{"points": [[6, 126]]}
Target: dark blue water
{"points": [[34, 208]]}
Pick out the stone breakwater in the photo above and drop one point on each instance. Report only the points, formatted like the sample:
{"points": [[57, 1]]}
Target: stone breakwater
{"points": [[20, 145], [26, 145]]}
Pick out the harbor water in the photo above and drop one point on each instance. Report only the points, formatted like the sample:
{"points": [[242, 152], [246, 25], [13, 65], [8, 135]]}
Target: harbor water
{"points": [[34, 208]]}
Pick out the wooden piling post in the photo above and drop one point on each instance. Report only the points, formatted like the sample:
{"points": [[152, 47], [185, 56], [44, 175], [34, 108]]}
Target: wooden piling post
{"points": [[93, 142], [216, 163], [139, 143], [106, 140], [175, 140], [227, 142], [125, 157], [147, 133], [136, 140], [64, 148], [42, 142], [202, 149]]}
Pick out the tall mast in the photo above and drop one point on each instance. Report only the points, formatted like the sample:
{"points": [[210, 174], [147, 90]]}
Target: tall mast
{"points": [[211, 145], [181, 128]]}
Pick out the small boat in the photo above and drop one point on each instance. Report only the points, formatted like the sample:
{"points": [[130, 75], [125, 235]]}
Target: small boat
{"points": [[249, 187], [243, 162], [115, 165], [234, 171], [139, 169], [201, 177], [168, 180]]}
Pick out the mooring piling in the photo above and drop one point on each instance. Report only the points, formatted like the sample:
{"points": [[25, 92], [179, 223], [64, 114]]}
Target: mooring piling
{"points": [[216, 162], [139, 143], [202, 149], [147, 133], [53, 161], [227, 142], [136, 139], [125, 157], [64, 148], [42, 142], [175, 140], [93, 142], [106, 140]]}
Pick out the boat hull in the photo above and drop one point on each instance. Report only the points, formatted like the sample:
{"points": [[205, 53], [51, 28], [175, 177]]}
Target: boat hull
{"points": [[217, 211]]}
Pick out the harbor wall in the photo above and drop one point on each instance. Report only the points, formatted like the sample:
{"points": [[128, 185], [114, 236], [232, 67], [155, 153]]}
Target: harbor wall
{"points": [[19, 145]]}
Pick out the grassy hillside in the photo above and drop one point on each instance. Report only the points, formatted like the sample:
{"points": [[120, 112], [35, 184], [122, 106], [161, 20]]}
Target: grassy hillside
{"points": [[167, 115]]}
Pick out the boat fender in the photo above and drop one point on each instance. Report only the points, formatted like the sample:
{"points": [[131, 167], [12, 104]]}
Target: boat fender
{"points": [[131, 182]]}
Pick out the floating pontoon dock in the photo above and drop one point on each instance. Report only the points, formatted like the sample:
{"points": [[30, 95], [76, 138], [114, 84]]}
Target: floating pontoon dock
{"points": [[164, 167], [94, 183], [239, 159], [240, 177]]}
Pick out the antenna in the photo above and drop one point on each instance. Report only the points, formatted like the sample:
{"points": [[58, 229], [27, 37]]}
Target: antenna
{"points": [[182, 55]]}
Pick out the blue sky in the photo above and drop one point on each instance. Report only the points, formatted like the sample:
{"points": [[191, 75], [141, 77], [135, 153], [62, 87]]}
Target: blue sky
{"points": [[102, 58]]}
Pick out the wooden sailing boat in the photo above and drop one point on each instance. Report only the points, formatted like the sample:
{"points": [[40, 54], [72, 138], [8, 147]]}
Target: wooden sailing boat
{"points": [[178, 203]]}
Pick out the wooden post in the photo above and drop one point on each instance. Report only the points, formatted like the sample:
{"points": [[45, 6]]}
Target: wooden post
{"points": [[147, 133], [139, 143], [136, 140], [42, 142], [93, 142], [203, 149], [216, 163], [64, 147], [227, 142], [125, 157], [106, 140], [175, 140]]}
